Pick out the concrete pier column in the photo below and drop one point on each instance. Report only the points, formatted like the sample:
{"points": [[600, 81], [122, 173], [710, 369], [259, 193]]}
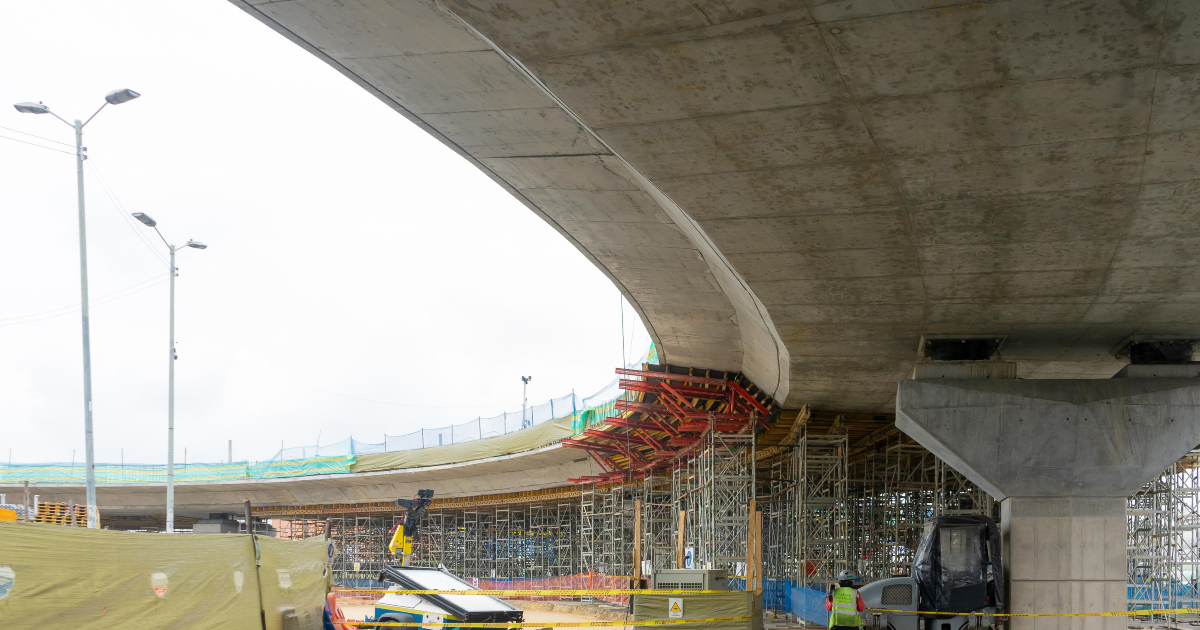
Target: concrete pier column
{"points": [[1062, 456], [1065, 554]]}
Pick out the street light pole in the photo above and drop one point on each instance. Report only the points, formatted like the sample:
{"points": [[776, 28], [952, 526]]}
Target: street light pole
{"points": [[170, 526], [116, 97], [171, 406], [89, 456]]}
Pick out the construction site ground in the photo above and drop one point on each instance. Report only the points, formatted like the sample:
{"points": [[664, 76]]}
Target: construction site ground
{"points": [[575, 611], [357, 611]]}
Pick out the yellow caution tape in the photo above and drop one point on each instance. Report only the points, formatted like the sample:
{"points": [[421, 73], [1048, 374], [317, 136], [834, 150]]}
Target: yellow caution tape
{"points": [[1122, 613], [539, 624], [501, 593]]}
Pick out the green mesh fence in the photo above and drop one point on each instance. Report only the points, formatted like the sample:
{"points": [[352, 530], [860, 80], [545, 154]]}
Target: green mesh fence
{"points": [[304, 461], [155, 473]]}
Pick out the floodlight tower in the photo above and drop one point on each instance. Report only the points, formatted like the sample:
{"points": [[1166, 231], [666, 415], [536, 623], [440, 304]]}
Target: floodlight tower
{"points": [[525, 400], [115, 97]]}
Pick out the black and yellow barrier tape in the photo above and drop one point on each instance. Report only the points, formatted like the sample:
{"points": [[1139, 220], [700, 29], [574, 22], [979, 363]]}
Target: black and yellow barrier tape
{"points": [[502, 593], [1122, 613], [539, 624]]}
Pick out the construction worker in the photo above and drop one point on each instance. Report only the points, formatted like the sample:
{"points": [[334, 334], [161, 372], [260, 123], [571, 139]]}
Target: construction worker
{"points": [[844, 603]]}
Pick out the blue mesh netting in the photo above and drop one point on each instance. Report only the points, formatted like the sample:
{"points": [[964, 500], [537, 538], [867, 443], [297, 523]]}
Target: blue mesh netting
{"points": [[809, 605]]}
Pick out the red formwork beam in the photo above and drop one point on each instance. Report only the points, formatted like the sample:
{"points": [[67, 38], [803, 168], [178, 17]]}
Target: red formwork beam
{"points": [[683, 378], [654, 408], [618, 437], [634, 424], [649, 439], [719, 427], [591, 446], [692, 392], [681, 407], [750, 399]]}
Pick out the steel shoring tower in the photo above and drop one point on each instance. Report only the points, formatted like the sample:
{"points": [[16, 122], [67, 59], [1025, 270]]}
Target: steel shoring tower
{"points": [[777, 502], [1185, 526], [823, 510], [909, 489], [725, 477], [659, 522], [1148, 519], [587, 529], [1164, 555]]}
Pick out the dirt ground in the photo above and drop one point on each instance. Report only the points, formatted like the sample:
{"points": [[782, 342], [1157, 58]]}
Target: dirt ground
{"points": [[358, 611]]}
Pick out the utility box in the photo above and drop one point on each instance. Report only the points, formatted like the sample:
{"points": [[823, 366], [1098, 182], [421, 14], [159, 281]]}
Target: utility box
{"points": [[741, 609], [216, 524], [690, 579]]}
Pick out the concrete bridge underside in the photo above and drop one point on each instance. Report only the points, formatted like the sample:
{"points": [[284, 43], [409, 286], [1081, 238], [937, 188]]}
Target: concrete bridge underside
{"points": [[800, 189]]}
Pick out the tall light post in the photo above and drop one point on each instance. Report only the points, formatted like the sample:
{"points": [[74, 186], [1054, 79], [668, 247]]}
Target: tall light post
{"points": [[145, 218], [116, 97], [525, 400]]}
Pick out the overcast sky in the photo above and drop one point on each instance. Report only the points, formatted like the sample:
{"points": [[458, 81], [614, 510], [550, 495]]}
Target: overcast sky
{"points": [[348, 251]]}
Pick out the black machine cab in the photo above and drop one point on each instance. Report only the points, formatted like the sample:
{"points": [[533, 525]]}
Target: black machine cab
{"points": [[957, 569]]}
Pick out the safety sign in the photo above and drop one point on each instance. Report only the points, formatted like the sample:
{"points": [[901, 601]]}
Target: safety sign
{"points": [[674, 608]]}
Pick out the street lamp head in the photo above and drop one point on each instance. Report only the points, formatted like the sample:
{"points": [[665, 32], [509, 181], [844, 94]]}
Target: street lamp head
{"points": [[196, 244], [32, 108], [144, 218], [116, 97]]}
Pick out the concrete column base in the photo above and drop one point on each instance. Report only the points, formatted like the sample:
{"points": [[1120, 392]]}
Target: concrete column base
{"points": [[1065, 555]]}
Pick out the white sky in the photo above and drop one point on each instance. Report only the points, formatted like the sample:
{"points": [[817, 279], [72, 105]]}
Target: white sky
{"points": [[348, 251]]}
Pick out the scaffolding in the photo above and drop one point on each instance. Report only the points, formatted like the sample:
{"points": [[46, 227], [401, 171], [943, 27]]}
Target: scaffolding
{"points": [[1163, 554], [822, 512], [823, 507], [660, 524], [833, 496]]}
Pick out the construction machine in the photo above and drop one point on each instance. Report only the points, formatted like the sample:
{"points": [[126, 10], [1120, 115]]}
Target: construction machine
{"points": [[957, 569], [446, 607], [406, 529]]}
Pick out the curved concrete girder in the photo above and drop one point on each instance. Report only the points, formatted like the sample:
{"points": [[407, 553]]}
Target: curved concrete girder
{"points": [[539, 469], [442, 74]]}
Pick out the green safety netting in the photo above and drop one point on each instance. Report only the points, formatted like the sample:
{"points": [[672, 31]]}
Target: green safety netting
{"points": [[156, 473], [341, 457]]}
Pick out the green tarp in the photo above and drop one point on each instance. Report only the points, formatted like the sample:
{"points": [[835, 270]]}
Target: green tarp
{"points": [[702, 606], [515, 442], [156, 473], [52, 577]]}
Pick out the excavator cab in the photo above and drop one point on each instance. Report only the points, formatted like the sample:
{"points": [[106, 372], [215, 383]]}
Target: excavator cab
{"points": [[957, 568]]}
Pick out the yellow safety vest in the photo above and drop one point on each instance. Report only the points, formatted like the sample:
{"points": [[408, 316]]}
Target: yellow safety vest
{"points": [[845, 608]]}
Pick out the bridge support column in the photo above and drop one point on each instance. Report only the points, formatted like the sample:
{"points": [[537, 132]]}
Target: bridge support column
{"points": [[1062, 456]]}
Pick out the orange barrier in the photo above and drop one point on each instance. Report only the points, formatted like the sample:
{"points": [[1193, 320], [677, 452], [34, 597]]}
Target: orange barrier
{"points": [[579, 581], [336, 616]]}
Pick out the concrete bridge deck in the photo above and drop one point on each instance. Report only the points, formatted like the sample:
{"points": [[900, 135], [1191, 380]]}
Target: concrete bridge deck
{"points": [[800, 189]]}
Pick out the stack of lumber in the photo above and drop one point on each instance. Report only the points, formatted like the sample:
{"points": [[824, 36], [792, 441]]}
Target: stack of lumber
{"points": [[61, 514]]}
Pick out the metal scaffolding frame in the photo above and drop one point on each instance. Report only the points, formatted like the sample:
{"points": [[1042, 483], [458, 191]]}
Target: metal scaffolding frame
{"points": [[1163, 552], [660, 523], [823, 507], [822, 513], [827, 505]]}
